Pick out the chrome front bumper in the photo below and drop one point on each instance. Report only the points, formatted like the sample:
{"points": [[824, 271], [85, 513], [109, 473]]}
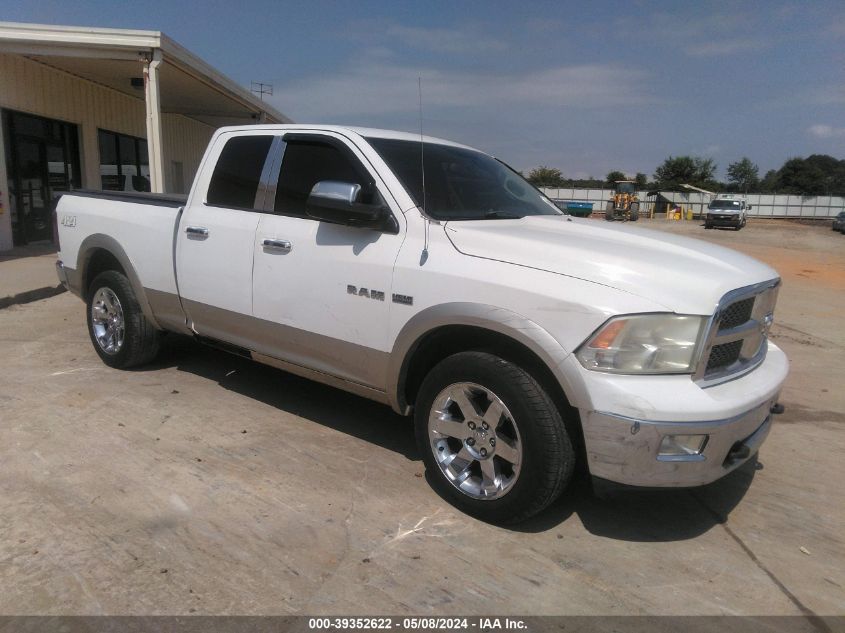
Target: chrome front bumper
{"points": [[625, 450]]}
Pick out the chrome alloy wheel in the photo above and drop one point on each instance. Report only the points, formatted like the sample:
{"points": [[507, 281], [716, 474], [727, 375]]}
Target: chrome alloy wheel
{"points": [[107, 321], [475, 440]]}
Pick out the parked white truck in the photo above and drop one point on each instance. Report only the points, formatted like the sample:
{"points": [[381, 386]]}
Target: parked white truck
{"points": [[727, 209], [522, 340]]}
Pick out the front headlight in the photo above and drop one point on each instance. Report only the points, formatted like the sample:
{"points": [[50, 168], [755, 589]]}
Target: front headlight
{"points": [[644, 344]]}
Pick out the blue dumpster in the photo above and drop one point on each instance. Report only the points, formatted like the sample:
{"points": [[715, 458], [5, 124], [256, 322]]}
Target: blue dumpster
{"points": [[579, 209]]}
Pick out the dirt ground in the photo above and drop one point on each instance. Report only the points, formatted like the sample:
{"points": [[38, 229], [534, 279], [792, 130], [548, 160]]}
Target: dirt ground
{"points": [[206, 484]]}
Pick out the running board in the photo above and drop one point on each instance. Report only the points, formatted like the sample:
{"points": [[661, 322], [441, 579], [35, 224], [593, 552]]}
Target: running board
{"points": [[223, 347]]}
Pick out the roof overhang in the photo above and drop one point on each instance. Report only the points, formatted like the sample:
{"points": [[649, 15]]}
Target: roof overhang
{"points": [[114, 57]]}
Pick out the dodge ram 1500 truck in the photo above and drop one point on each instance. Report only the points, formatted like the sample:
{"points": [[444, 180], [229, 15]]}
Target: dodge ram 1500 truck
{"points": [[431, 277]]}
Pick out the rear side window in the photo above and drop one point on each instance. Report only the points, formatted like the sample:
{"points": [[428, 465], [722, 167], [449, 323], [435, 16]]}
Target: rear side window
{"points": [[308, 162], [238, 172]]}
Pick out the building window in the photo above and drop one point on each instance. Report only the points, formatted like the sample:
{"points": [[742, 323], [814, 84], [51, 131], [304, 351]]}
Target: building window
{"points": [[124, 162]]}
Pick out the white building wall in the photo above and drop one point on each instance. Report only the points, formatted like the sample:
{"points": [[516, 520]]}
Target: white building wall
{"points": [[36, 88], [184, 141]]}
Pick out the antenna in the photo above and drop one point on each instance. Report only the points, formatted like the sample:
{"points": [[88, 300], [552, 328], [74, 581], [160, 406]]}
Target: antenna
{"points": [[422, 168], [261, 89]]}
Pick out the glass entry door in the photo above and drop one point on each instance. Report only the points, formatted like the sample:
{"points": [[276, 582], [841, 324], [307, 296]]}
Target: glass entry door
{"points": [[43, 161]]}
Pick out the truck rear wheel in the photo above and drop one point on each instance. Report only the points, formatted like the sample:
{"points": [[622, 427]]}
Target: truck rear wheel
{"points": [[492, 440], [608, 212], [635, 211], [121, 334]]}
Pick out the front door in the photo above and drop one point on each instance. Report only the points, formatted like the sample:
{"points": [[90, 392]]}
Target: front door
{"points": [[44, 162], [321, 291]]}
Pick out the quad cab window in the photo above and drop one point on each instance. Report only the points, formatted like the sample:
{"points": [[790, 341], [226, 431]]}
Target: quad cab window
{"points": [[237, 174]]}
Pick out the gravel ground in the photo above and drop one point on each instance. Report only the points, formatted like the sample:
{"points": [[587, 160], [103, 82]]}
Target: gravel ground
{"points": [[206, 484]]}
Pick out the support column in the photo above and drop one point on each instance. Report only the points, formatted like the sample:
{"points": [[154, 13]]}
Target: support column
{"points": [[153, 108]]}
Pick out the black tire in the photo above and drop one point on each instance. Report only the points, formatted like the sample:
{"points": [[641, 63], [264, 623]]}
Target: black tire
{"points": [[140, 341], [708, 226], [548, 457], [608, 212]]}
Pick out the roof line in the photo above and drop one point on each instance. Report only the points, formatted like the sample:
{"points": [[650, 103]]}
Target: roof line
{"points": [[132, 40]]}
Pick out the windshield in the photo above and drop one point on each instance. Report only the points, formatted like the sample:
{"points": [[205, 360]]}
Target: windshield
{"points": [[461, 184], [725, 204], [625, 187]]}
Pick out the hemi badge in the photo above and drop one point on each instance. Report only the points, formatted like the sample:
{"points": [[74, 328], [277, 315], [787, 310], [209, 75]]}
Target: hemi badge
{"points": [[403, 299]]}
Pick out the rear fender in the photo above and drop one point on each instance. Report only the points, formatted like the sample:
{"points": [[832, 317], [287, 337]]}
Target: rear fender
{"points": [[98, 241]]}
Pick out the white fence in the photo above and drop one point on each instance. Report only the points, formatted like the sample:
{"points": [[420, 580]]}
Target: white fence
{"points": [[762, 204]]}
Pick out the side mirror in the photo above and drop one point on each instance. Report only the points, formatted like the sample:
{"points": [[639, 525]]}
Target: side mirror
{"points": [[337, 202]]}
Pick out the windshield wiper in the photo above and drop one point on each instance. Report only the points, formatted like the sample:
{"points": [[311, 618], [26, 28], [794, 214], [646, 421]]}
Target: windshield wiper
{"points": [[489, 215], [502, 215]]}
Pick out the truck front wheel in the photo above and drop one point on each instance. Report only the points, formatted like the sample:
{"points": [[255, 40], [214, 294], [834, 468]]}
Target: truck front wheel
{"points": [[121, 334], [493, 441]]}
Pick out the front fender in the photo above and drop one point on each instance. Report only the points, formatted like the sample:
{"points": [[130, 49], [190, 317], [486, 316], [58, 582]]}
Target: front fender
{"points": [[510, 324]]}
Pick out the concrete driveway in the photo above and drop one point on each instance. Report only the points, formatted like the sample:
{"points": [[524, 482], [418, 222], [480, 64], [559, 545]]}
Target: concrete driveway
{"points": [[207, 484]]}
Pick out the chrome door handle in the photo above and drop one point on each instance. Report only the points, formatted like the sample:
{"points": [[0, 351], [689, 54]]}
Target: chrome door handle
{"points": [[272, 243], [197, 230]]}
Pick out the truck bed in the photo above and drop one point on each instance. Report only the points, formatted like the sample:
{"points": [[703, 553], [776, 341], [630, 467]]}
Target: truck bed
{"points": [[157, 199], [136, 228]]}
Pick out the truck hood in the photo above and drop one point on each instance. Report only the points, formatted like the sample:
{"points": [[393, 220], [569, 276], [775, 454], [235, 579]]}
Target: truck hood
{"points": [[683, 275]]}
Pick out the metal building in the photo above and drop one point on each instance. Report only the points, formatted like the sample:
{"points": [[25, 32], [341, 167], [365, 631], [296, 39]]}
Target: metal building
{"points": [[108, 109]]}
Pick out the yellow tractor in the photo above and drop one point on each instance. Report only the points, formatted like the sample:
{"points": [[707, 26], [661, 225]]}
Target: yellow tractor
{"points": [[625, 205]]}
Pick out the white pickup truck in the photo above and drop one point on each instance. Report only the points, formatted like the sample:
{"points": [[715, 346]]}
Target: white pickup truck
{"points": [[431, 277]]}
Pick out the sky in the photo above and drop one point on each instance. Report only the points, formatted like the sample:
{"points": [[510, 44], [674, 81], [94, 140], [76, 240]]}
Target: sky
{"points": [[584, 87]]}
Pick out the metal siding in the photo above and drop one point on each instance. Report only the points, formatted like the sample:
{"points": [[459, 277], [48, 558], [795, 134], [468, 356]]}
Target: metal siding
{"points": [[36, 88], [184, 141]]}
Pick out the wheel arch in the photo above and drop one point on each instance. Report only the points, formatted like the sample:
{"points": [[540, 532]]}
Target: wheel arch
{"points": [[99, 253], [441, 331]]}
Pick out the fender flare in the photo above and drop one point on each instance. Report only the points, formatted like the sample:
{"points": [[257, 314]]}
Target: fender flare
{"points": [[499, 320], [100, 241]]}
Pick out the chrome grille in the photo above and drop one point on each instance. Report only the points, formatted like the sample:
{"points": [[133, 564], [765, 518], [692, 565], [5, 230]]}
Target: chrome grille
{"points": [[737, 340], [723, 355], [737, 313]]}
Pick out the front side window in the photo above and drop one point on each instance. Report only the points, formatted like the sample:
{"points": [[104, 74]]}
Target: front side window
{"points": [[237, 174], [306, 163], [461, 184]]}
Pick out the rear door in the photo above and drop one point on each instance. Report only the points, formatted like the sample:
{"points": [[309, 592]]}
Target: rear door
{"points": [[322, 291], [214, 242]]}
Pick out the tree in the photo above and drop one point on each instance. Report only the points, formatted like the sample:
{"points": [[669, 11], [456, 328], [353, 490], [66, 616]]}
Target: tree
{"points": [[613, 176], [641, 181], [770, 181], [815, 175], [744, 175], [692, 170], [543, 176]]}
